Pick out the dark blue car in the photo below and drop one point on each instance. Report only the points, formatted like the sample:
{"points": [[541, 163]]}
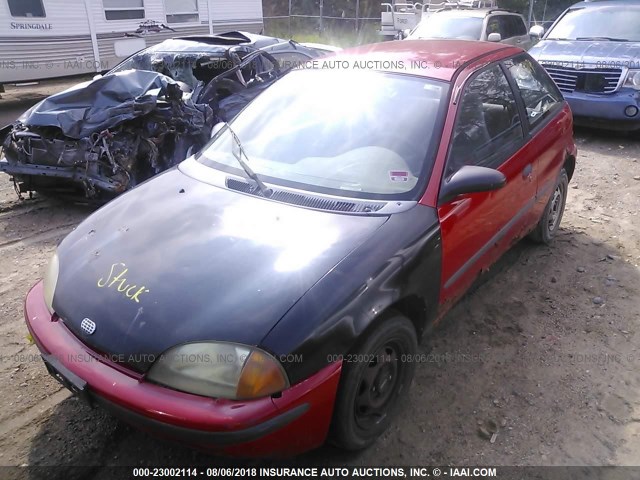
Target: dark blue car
{"points": [[593, 53]]}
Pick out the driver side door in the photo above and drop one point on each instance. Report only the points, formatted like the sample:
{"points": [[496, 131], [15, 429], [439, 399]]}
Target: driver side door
{"points": [[478, 227]]}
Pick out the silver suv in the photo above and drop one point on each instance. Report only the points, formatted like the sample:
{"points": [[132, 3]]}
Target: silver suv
{"points": [[493, 25]]}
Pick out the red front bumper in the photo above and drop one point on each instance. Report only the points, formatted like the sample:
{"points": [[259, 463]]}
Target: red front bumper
{"points": [[296, 422]]}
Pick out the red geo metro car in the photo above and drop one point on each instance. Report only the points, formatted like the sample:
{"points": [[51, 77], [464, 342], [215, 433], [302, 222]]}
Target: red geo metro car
{"points": [[268, 293]]}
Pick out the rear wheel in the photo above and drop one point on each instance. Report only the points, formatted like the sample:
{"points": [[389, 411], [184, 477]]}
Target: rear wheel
{"points": [[375, 379], [549, 223]]}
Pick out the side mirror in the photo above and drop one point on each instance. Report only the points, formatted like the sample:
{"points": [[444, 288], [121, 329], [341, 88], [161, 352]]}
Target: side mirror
{"points": [[97, 77], [537, 31], [216, 128], [494, 37], [471, 179]]}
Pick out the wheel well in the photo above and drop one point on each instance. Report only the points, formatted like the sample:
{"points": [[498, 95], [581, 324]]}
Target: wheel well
{"points": [[411, 307], [570, 165], [414, 309]]}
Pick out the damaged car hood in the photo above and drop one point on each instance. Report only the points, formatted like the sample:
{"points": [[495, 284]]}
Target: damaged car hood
{"points": [[103, 103], [177, 260]]}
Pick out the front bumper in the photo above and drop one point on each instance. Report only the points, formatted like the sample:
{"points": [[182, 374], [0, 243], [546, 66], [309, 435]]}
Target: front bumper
{"points": [[295, 422], [605, 110], [47, 173]]}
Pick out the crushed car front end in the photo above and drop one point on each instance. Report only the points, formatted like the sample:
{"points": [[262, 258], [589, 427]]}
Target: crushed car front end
{"points": [[137, 124]]}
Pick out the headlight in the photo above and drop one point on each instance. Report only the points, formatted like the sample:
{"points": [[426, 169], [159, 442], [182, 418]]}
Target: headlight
{"points": [[50, 281], [633, 79], [220, 370]]}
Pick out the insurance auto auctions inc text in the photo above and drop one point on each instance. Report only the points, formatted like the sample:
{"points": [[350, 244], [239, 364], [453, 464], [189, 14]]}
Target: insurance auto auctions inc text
{"points": [[377, 472]]}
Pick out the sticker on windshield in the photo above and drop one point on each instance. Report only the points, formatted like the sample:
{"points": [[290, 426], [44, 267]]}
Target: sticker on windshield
{"points": [[399, 176]]}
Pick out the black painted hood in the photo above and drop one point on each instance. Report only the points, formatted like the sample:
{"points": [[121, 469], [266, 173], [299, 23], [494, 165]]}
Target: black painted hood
{"points": [[177, 260]]}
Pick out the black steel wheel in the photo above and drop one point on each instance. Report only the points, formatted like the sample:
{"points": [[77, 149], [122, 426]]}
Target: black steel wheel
{"points": [[375, 379], [549, 223]]}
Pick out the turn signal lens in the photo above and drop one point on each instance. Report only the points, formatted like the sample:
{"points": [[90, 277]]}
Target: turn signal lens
{"points": [[262, 375]]}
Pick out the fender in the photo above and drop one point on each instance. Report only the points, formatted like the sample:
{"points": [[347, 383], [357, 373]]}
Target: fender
{"points": [[329, 319]]}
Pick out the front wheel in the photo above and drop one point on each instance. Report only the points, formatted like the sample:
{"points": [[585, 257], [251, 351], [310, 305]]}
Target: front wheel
{"points": [[375, 379], [549, 223]]}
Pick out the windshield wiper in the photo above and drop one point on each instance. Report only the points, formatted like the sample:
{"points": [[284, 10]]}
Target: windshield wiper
{"points": [[609, 39], [238, 153]]}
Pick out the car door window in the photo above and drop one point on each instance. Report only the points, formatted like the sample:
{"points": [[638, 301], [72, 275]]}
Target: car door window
{"points": [[518, 27], [506, 26], [500, 24], [488, 127], [494, 26], [536, 88], [290, 59]]}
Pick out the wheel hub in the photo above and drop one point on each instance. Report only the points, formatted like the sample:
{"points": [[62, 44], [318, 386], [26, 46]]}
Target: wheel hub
{"points": [[377, 386], [555, 209]]}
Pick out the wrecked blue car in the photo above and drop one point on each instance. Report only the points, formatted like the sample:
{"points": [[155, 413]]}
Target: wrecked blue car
{"points": [[105, 136]]}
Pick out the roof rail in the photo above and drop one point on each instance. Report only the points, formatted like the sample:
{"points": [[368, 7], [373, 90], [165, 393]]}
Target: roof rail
{"points": [[437, 5], [503, 10]]}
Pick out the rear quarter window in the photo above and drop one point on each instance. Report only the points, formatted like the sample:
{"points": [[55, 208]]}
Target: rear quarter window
{"points": [[537, 90]]}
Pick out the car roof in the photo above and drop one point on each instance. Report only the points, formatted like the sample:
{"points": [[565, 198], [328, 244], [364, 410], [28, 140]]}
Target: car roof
{"points": [[214, 43], [605, 3], [474, 12], [443, 57]]}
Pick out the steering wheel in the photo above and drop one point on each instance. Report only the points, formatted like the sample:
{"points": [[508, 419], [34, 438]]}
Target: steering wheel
{"points": [[235, 58]]}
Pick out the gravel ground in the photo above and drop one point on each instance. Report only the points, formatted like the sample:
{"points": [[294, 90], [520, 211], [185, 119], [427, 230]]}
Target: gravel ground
{"points": [[546, 347]]}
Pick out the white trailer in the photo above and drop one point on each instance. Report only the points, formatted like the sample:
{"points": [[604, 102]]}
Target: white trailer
{"points": [[43, 39]]}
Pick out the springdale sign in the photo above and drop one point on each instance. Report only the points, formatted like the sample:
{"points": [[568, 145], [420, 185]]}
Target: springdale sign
{"points": [[31, 26]]}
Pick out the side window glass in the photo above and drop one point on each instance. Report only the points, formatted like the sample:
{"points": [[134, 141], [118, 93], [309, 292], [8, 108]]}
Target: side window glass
{"points": [[289, 60], [505, 26], [519, 28], [537, 90], [488, 128], [493, 26]]}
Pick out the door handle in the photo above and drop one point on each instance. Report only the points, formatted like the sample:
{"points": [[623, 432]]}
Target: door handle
{"points": [[527, 172]]}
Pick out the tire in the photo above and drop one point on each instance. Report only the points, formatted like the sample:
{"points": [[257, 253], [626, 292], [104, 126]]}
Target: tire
{"points": [[549, 223], [371, 389]]}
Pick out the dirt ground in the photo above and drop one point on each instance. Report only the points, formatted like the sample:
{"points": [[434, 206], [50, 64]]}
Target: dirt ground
{"points": [[546, 347]]}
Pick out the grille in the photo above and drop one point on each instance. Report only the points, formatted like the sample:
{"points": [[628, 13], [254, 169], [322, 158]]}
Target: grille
{"points": [[590, 80], [308, 201]]}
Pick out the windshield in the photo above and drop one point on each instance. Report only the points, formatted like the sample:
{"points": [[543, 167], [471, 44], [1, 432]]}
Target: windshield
{"points": [[362, 134], [187, 67], [614, 22], [446, 26]]}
